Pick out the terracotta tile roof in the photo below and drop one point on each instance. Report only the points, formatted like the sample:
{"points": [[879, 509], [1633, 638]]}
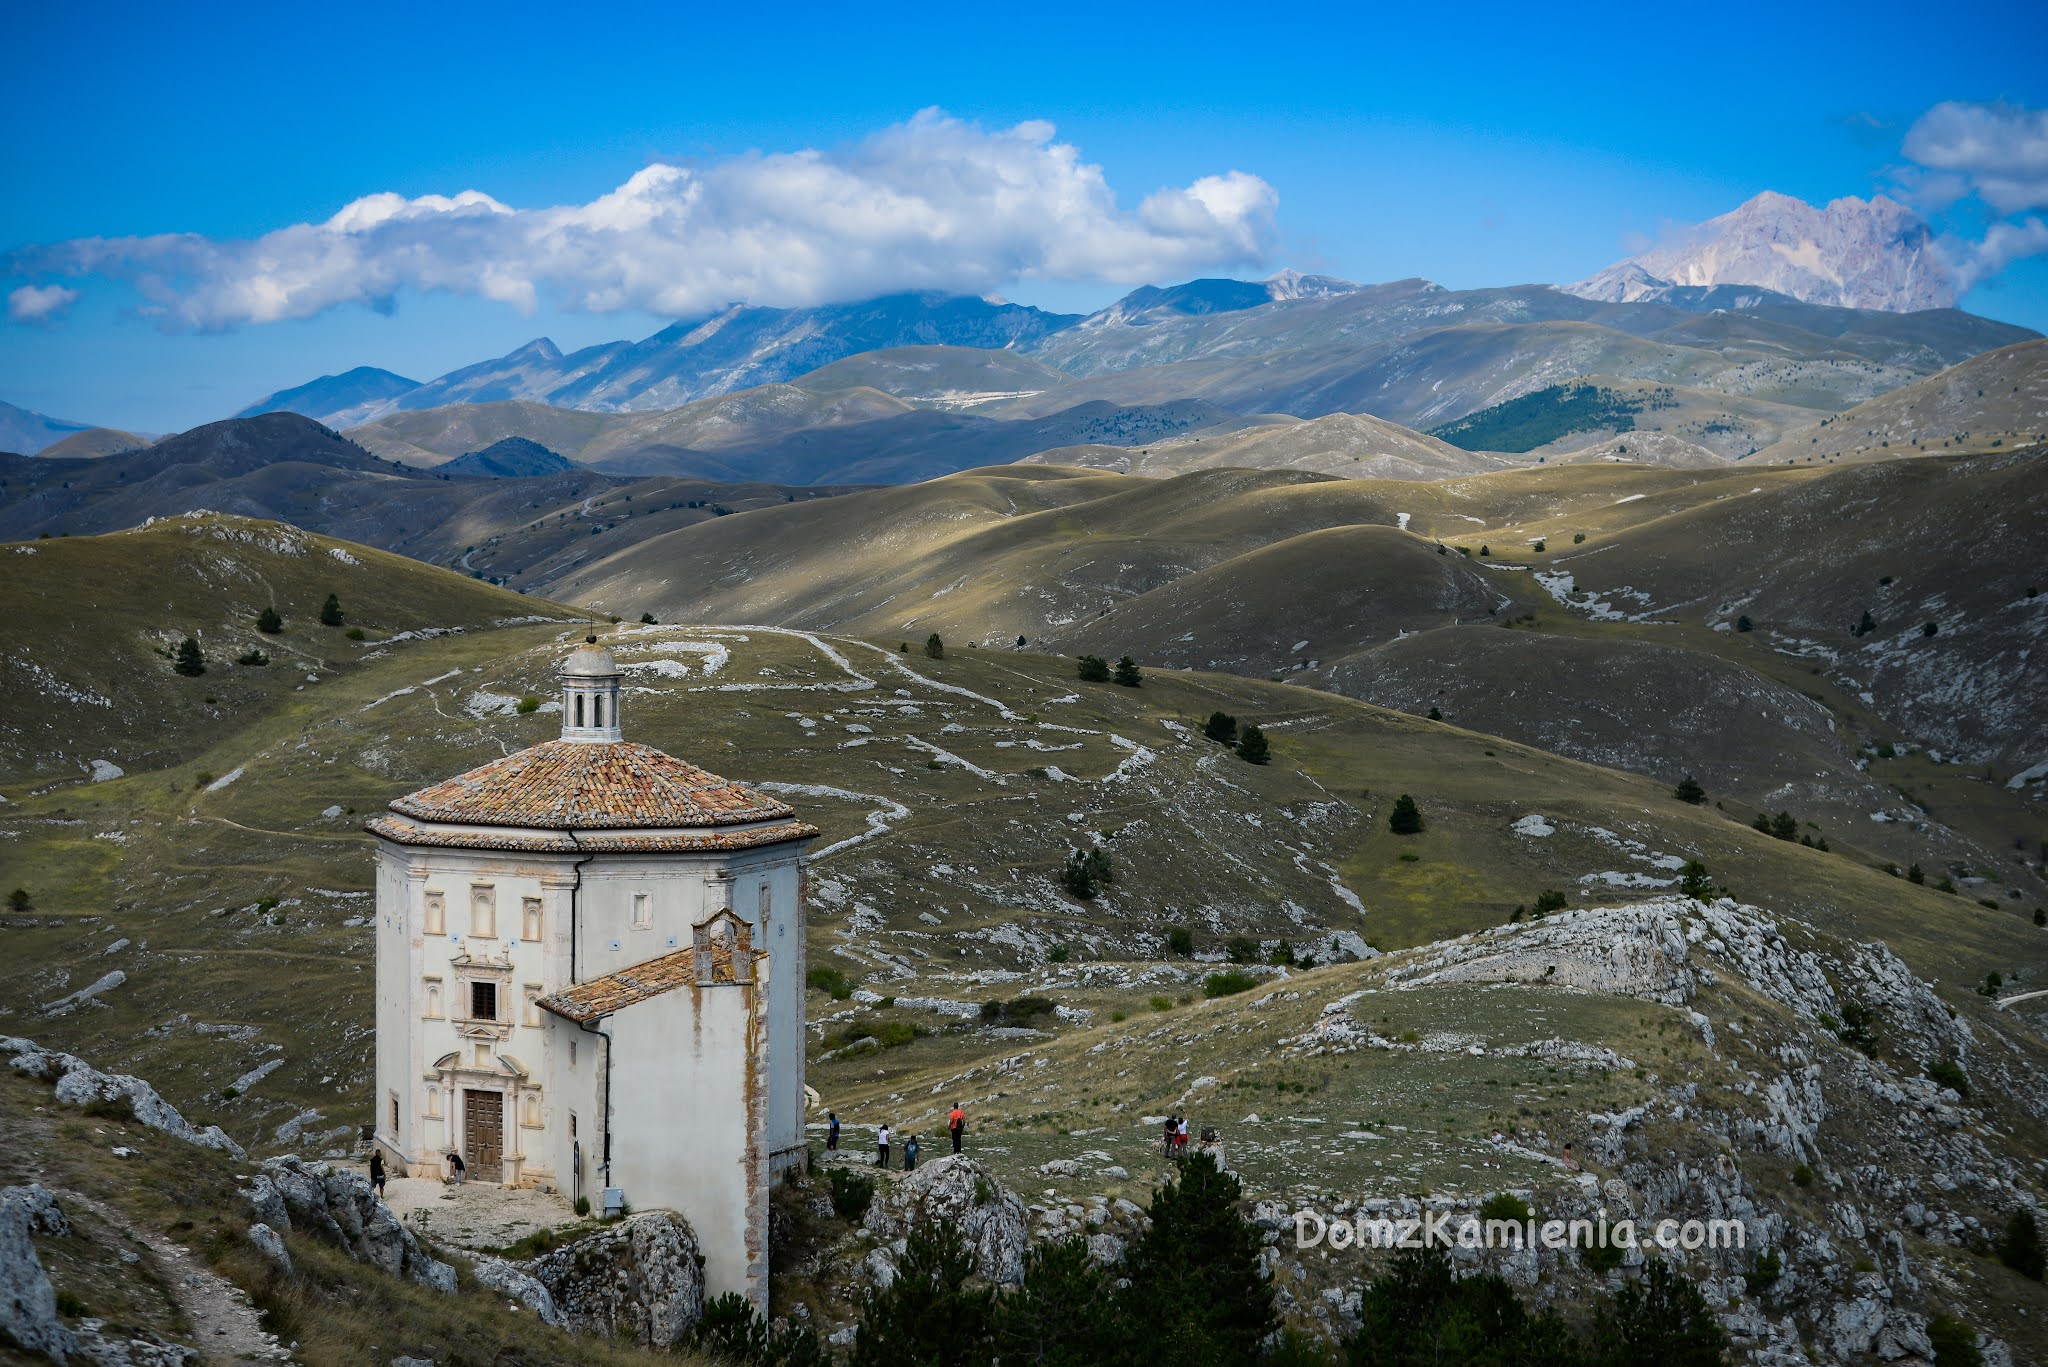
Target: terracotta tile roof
{"points": [[407, 832], [573, 785], [616, 991]]}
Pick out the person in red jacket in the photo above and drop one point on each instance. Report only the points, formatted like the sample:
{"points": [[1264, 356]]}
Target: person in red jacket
{"points": [[956, 1125]]}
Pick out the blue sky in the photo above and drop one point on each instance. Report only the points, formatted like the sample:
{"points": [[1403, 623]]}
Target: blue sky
{"points": [[1473, 145]]}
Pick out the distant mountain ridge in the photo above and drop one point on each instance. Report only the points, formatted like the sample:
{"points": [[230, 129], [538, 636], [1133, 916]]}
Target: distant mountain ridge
{"points": [[337, 400], [26, 432], [1865, 254]]}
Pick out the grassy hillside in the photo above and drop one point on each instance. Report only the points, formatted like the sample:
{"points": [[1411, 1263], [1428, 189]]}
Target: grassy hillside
{"points": [[93, 441], [91, 624], [1347, 445], [1996, 400]]}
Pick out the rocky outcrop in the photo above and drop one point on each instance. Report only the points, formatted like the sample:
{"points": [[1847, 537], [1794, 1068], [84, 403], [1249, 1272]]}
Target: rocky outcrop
{"points": [[641, 1279], [515, 1285], [338, 1205], [78, 1083], [270, 1244], [28, 1303], [956, 1190]]}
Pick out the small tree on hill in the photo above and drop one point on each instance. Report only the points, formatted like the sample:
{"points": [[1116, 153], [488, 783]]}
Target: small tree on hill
{"points": [[1127, 673], [1662, 1318], [1867, 625], [1197, 1291], [934, 648], [2019, 1248], [1954, 1342], [1549, 900], [268, 622], [252, 657], [1689, 790], [1694, 881], [1406, 818], [19, 900], [1915, 874], [1744, 624], [1065, 1313], [1252, 746], [647, 620], [1092, 669], [1784, 826], [1436, 713], [1084, 873], [189, 660], [1221, 728], [1180, 940], [928, 1314], [330, 612]]}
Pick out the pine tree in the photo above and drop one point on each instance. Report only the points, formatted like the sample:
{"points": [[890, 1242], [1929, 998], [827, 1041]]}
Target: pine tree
{"points": [[1954, 1342], [1197, 1292], [928, 1316], [19, 900], [1252, 746], [1065, 1313], [1221, 728], [1127, 673], [934, 648], [1092, 669], [1419, 1311], [647, 620], [1662, 1318], [1694, 882], [1689, 790], [1784, 827], [1744, 624], [1436, 713], [1915, 874], [1866, 626], [268, 622], [1084, 873], [1406, 818], [330, 612], [2019, 1248], [189, 660]]}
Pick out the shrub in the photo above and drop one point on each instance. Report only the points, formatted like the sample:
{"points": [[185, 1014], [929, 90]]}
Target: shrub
{"points": [[1802, 1176], [1578, 538], [1549, 900], [1092, 669], [1783, 826], [1694, 881], [1601, 1259], [1085, 872], [1161, 1003], [1486, 551], [1242, 949], [1689, 790], [528, 705], [851, 1193], [1252, 746], [1056, 955], [356, 634], [1180, 940], [647, 620], [1127, 674], [1993, 984], [1950, 1074], [829, 980], [1436, 713], [189, 659], [1221, 728], [1064, 1313], [330, 612], [2019, 1248], [1744, 624], [1930, 628], [1954, 1342], [934, 648], [1764, 1270], [1406, 818], [1228, 983], [1858, 1025], [1915, 874], [1025, 1011], [19, 900], [1506, 1206], [252, 658], [268, 622]]}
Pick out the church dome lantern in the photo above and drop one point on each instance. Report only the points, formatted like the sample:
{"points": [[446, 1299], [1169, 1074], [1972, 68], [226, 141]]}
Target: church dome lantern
{"points": [[590, 695]]}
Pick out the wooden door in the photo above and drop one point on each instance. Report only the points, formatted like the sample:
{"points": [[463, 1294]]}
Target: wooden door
{"points": [[483, 1135]]}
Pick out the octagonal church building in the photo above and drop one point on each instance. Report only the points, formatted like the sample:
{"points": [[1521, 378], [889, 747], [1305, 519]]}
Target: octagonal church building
{"points": [[590, 978]]}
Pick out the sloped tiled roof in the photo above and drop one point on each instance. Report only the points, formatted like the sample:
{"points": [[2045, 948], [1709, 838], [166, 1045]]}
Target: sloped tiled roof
{"points": [[572, 785], [409, 832], [616, 991]]}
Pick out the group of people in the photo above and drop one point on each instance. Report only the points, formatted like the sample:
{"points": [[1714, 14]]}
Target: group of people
{"points": [[1174, 1141], [956, 1127]]}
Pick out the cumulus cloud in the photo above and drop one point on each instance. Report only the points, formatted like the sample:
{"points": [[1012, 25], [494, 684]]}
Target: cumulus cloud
{"points": [[933, 203], [40, 303], [1995, 155]]}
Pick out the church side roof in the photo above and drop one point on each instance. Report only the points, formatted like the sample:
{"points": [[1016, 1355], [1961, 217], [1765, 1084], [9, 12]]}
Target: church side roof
{"points": [[567, 785], [586, 1002], [409, 832]]}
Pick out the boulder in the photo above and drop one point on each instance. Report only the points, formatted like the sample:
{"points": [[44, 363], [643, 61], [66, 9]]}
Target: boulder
{"points": [[642, 1278], [78, 1083], [270, 1244], [28, 1303], [340, 1206], [959, 1191], [509, 1282]]}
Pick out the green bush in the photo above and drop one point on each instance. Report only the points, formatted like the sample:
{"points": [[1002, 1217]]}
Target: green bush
{"points": [[1025, 1011], [1242, 949], [2019, 1247], [330, 612], [1180, 940], [1506, 1206], [252, 658], [851, 1193], [268, 622], [1092, 669], [1085, 872], [1689, 790], [1948, 1073], [1228, 983], [189, 659], [1954, 1342], [1549, 900], [934, 648], [834, 984], [1253, 747], [528, 705], [1161, 1003], [1406, 818], [1127, 674], [1221, 728]]}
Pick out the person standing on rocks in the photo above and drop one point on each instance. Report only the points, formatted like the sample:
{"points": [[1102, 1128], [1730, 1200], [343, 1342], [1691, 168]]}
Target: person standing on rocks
{"points": [[377, 1171], [910, 1154], [455, 1166], [882, 1146], [956, 1125], [1166, 1138], [832, 1132]]}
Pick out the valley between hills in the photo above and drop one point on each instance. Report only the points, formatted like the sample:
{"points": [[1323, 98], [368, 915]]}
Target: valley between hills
{"points": [[1717, 696]]}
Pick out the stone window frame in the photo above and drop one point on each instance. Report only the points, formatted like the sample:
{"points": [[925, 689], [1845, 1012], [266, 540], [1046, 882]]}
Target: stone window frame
{"points": [[434, 912], [432, 998], [640, 910], [530, 995], [723, 950], [483, 897], [530, 922]]}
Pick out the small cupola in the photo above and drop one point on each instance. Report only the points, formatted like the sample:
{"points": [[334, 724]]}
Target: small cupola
{"points": [[590, 695]]}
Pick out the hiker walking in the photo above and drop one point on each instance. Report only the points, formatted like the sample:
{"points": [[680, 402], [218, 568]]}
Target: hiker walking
{"points": [[1180, 1138], [377, 1171], [956, 1125], [455, 1166], [882, 1146], [832, 1133], [910, 1154], [1166, 1136]]}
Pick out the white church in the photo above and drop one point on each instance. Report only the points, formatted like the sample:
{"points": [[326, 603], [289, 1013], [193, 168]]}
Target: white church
{"points": [[590, 975]]}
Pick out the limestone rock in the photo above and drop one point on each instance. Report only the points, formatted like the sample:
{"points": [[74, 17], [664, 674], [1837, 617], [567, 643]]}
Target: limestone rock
{"points": [[959, 1191], [340, 1206], [509, 1282], [642, 1279], [28, 1303], [78, 1083], [270, 1244]]}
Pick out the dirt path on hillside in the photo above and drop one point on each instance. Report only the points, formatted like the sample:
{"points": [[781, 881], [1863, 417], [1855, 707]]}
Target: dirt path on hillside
{"points": [[226, 1328]]}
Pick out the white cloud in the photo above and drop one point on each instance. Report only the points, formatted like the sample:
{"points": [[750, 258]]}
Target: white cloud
{"points": [[934, 203], [1998, 152], [39, 303]]}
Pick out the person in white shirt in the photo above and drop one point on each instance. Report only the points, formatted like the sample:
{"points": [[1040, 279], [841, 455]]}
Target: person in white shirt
{"points": [[882, 1146]]}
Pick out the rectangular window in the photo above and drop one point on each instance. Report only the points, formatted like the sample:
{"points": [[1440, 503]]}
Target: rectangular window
{"points": [[529, 917], [394, 1113], [483, 911], [483, 1055], [572, 1064], [572, 1124], [437, 914], [643, 911], [483, 1001]]}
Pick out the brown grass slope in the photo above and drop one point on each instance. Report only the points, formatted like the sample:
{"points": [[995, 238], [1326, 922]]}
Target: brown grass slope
{"points": [[1998, 399], [92, 442], [1346, 445]]}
